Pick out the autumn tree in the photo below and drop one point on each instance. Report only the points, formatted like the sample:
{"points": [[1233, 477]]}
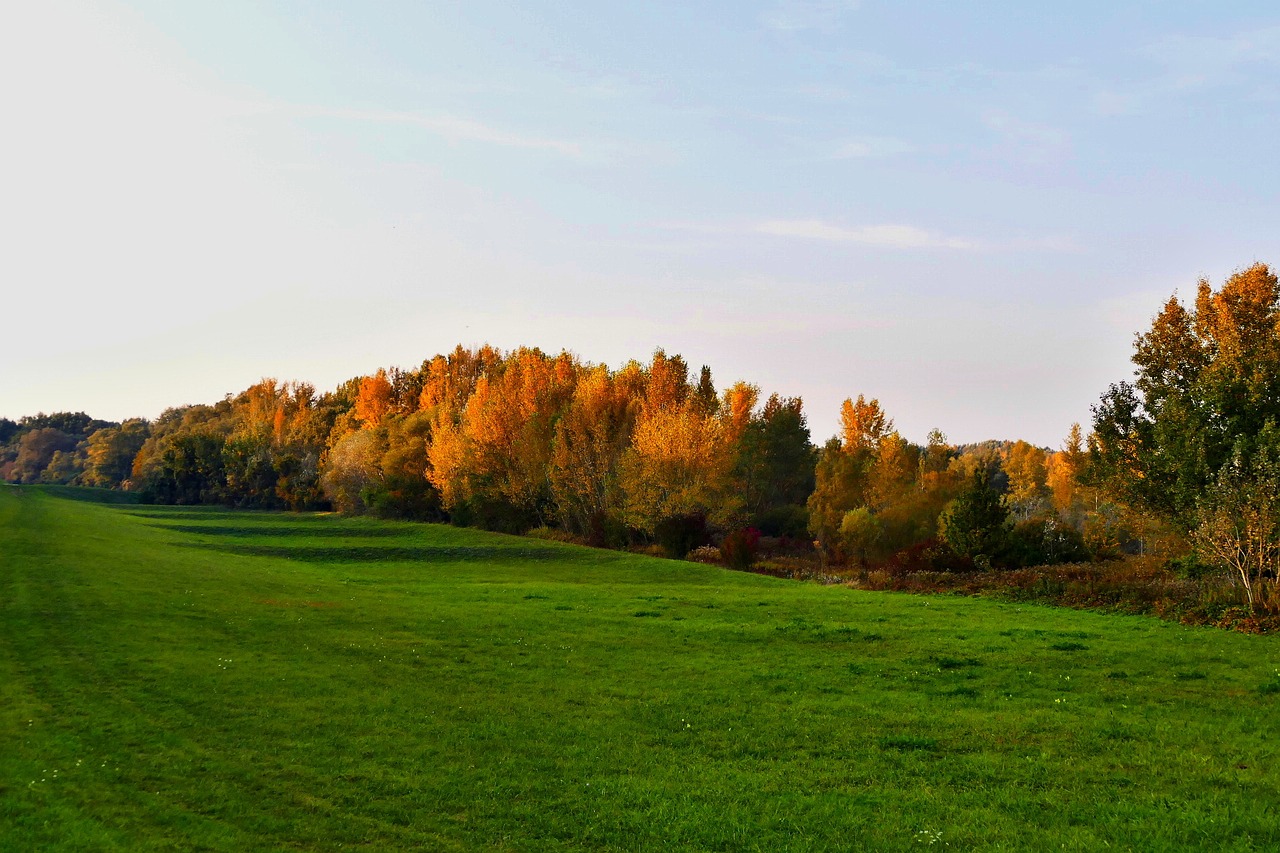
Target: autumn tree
{"points": [[590, 439], [862, 425], [1206, 389], [36, 450], [677, 470], [374, 399], [404, 490], [406, 390], [904, 512], [1238, 522], [353, 467], [1028, 475], [65, 468], [737, 409], [496, 460], [111, 450], [1063, 473], [842, 476], [448, 381]]}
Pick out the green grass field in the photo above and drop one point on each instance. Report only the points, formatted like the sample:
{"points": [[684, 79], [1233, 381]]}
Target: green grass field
{"points": [[198, 679]]}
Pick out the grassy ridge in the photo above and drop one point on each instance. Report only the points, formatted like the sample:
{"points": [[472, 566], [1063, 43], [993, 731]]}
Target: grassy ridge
{"points": [[203, 679]]}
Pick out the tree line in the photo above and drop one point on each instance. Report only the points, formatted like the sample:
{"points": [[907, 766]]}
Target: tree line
{"points": [[648, 453], [1184, 459]]}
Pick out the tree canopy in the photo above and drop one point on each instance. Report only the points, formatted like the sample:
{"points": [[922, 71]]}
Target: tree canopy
{"points": [[1195, 438]]}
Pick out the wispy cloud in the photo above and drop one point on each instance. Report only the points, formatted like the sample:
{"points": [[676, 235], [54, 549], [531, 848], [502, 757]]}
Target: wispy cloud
{"points": [[872, 146], [1027, 132], [824, 93], [1030, 141], [1194, 61], [453, 128], [789, 16], [883, 236], [1189, 64]]}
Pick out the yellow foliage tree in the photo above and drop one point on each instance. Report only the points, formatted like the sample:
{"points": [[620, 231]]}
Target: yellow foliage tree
{"points": [[863, 424], [679, 464], [1063, 471], [448, 458], [590, 438], [1025, 467]]}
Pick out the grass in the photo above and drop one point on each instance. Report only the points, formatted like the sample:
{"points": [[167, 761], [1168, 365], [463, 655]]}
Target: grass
{"points": [[199, 679]]}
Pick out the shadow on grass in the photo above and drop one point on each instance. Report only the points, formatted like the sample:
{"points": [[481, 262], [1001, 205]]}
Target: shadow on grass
{"points": [[199, 513], [357, 554], [89, 495], [284, 530]]}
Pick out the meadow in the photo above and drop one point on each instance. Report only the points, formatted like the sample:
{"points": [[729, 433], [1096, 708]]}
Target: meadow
{"points": [[204, 679]]}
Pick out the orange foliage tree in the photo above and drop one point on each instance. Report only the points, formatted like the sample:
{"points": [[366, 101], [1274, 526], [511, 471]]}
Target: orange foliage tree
{"points": [[374, 400]]}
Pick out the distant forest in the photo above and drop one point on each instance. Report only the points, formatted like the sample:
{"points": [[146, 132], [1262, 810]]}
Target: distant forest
{"points": [[1184, 461]]}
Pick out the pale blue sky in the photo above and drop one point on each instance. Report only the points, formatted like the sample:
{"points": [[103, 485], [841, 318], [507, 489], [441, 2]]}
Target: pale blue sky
{"points": [[965, 212]]}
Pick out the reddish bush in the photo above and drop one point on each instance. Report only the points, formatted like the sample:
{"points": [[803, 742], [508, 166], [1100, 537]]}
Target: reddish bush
{"points": [[740, 548]]}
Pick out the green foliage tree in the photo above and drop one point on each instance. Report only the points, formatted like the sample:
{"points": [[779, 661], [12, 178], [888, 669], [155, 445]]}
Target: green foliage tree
{"points": [[861, 533], [774, 467], [704, 395], [76, 424], [1205, 377], [1239, 516], [353, 467], [189, 470], [1185, 440], [404, 490], [973, 526], [64, 468], [1044, 540], [249, 468]]}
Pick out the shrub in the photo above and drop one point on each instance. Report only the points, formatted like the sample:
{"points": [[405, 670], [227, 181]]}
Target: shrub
{"points": [[554, 534], [740, 548], [709, 554], [784, 521], [608, 531], [931, 555], [1189, 566], [1043, 541], [680, 534]]}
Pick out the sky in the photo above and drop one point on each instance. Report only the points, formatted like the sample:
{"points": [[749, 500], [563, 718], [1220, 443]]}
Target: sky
{"points": [[966, 211]]}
